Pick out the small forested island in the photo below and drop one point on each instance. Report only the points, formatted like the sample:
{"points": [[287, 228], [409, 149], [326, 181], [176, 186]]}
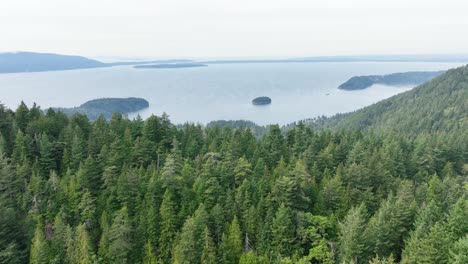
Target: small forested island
{"points": [[171, 65], [107, 107], [262, 100], [394, 79]]}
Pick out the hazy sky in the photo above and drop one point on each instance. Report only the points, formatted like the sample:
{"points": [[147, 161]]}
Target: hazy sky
{"points": [[234, 28]]}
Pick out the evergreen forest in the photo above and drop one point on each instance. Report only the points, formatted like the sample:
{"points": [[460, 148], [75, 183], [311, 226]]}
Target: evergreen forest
{"points": [[385, 184]]}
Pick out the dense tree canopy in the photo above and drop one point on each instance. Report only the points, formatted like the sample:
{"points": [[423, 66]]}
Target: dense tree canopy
{"points": [[146, 191]]}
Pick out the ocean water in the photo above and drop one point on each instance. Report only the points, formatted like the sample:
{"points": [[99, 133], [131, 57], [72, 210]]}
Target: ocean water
{"points": [[220, 91]]}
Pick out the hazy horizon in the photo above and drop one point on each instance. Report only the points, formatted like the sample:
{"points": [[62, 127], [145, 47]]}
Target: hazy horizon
{"points": [[234, 29]]}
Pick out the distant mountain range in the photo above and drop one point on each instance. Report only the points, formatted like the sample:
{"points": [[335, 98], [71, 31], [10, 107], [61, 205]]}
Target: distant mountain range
{"points": [[14, 62]]}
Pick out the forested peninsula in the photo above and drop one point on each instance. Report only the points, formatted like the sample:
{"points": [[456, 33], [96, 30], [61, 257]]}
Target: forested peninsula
{"points": [[107, 107], [385, 184], [394, 79], [20, 62]]}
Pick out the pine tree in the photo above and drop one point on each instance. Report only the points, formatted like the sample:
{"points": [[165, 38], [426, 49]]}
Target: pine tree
{"points": [[250, 258], [3, 145], [120, 238], [189, 247], [351, 235], [84, 253], [22, 116], [459, 251], [168, 226], [377, 260], [242, 171], [185, 251], [209, 249], [20, 149], [78, 149], [103, 247], [58, 244], [47, 159], [149, 257], [283, 231], [87, 210], [231, 245], [39, 250], [421, 245]]}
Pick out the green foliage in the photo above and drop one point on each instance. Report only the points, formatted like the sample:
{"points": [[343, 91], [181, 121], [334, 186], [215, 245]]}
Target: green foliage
{"points": [[436, 106], [231, 245], [394, 79], [459, 251], [120, 239], [168, 225], [283, 231], [38, 253], [107, 107], [133, 191], [351, 235]]}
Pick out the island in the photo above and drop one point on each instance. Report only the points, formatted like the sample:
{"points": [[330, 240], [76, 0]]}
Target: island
{"points": [[13, 62], [22, 61], [262, 100], [394, 79], [106, 107], [171, 65]]}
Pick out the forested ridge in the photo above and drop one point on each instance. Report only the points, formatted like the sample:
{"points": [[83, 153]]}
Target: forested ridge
{"points": [[394, 79], [438, 105], [146, 191]]}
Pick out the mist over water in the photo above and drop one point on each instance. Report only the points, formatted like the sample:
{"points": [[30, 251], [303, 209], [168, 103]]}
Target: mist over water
{"points": [[219, 91]]}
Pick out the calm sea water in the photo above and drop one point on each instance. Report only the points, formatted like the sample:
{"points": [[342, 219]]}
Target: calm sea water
{"points": [[223, 91]]}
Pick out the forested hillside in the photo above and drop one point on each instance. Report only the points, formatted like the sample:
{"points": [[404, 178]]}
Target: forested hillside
{"points": [[144, 191], [438, 105]]}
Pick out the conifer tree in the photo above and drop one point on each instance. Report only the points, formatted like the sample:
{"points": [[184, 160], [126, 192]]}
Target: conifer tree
{"points": [[242, 171], [84, 253], [149, 257], [351, 235], [22, 116], [282, 231], [120, 238], [459, 251], [231, 245], [39, 250], [209, 249], [185, 251], [168, 226]]}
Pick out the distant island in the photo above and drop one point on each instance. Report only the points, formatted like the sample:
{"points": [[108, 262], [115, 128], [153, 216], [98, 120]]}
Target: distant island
{"points": [[107, 107], [171, 65], [394, 79], [262, 100], [17, 62], [361, 58], [38, 62]]}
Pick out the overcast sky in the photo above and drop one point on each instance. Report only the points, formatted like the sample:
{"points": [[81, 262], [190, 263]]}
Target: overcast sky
{"points": [[234, 28]]}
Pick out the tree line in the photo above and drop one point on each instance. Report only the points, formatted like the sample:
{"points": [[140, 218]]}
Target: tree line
{"points": [[146, 191]]}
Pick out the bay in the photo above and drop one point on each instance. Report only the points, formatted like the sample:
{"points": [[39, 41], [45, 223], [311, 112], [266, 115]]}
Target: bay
{"points": [[219, 91]]}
